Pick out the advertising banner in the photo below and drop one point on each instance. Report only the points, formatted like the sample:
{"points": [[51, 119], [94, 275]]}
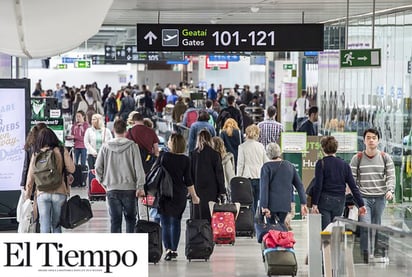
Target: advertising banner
{"points": [[12, 137]]}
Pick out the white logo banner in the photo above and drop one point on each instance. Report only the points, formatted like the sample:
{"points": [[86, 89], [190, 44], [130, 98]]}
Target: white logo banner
{"points": [[73, 254]]}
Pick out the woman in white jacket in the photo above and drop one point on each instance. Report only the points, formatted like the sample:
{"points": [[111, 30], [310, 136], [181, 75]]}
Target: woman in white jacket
{"points": [[251, 157], [94, 138]]}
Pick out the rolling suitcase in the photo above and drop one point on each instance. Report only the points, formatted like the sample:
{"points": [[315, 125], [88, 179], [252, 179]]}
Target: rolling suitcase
{"points": [[154, 232], [80, 176], [223, 228], [245, 226], [95, 191], [223, 221], [241, 191], [199, 238], [279, 261]]}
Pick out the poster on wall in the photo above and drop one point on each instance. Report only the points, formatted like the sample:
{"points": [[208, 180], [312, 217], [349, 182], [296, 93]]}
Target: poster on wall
{"points": [[13, 128]]}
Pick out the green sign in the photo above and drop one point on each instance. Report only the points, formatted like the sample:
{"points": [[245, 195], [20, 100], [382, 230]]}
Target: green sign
{"points": [[360, 58], [289, 66], [82, 64], [61, 66]]}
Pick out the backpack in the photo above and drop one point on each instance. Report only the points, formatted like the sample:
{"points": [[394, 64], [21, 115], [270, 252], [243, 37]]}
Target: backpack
{"points": [[191, 117], [211, 119], [148, 159], [91, 110], [309, 189], [359, 155], [224, 115], [46, 174]]}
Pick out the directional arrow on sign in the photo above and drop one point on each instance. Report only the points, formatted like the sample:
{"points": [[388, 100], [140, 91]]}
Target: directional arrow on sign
{"points": [[150, 36], [362, 58]]}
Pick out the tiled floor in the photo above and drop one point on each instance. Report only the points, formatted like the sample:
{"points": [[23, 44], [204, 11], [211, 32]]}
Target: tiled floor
{"points": [[243, 259]]}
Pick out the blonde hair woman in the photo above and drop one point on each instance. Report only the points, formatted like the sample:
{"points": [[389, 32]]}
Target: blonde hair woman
{"points": [[231, 136], [252, 156], [94, 138], [228, 161]]}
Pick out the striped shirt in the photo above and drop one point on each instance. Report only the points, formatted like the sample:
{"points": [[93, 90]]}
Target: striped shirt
{"points": [[373, 180], [270, 131]]}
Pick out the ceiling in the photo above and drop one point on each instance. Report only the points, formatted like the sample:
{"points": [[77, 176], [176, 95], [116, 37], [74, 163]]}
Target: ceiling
{"points": [[120, 23]]}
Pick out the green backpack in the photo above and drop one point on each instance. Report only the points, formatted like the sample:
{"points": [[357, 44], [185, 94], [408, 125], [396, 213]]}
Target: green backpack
{"points": [[46, 174]]}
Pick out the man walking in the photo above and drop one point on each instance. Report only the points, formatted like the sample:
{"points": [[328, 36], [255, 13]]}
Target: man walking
{"points": [[119, 168], [308, 126], [270, 129], [374, 173]]}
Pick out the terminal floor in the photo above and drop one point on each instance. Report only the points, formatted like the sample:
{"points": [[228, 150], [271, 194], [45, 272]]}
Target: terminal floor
{"points": [[243, 259]]}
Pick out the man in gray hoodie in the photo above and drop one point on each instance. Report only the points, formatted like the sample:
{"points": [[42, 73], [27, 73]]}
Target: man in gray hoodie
{"points": [[119, 169]]}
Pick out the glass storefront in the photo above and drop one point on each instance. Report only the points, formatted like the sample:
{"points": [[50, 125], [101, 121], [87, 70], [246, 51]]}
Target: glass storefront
{"points": [[354, 99]]}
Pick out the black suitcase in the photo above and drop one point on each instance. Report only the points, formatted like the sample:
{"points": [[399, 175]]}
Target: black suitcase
{"points": [[279, 261], [80, 176], [154, 232], [241, 191], [245, 226], [199, 238]]}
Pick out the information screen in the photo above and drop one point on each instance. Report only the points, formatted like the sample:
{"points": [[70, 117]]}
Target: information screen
{"points": [[13, 128]]}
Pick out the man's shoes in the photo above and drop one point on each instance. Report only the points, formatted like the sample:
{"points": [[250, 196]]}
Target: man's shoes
{"points": [[168, 256]]}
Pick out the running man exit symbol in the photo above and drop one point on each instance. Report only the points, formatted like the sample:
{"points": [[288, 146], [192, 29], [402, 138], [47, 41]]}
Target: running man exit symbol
{"points": [[350, 58], [170, 37]]}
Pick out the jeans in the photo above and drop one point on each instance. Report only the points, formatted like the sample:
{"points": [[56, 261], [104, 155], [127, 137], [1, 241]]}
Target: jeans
{"points": [[49, 205], [170, 231], [374, 210], [80, 153], [122, 202], [91, 160], [329, 207], [256, 192]]}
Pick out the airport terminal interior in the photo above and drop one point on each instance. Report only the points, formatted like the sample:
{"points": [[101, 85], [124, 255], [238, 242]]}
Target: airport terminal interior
{"points": [[352, 58]]}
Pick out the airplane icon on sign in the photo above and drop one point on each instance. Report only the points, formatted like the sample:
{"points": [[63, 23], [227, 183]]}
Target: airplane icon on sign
{"points": [[169, 37]]}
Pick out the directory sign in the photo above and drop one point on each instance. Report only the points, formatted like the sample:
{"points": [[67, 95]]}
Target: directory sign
{"points": [[229, 37]]}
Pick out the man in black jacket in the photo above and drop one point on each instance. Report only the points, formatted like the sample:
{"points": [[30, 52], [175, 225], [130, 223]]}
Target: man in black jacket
{"points": [[308, 126], [230, 112]]}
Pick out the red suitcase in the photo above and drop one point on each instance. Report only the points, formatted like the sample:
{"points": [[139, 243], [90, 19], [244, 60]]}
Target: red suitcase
{"points": [[223, 228], [96, 191]]}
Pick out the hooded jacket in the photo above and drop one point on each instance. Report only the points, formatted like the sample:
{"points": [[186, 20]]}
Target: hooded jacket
{"points": [[119, 166]]}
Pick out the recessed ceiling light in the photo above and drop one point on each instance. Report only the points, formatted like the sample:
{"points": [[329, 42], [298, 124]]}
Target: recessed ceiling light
{"points": [[254, 9]]}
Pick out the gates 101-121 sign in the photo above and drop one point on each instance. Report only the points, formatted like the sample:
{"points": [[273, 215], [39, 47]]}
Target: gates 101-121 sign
{"points": [[230, 37]]}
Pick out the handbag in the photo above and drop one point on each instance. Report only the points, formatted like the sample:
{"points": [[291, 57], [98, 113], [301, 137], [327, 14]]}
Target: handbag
{"points": [[158, 180], [75, 212], [262, 227], [27, 222], [275, 238]]}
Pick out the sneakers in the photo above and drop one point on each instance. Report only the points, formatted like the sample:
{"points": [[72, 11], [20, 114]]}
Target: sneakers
{"points": [[170, 255]]}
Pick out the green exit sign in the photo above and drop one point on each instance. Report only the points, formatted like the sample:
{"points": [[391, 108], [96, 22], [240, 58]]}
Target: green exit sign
{"points": [[350, 58], [62, 66], [82, 64], [289, 66]]}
